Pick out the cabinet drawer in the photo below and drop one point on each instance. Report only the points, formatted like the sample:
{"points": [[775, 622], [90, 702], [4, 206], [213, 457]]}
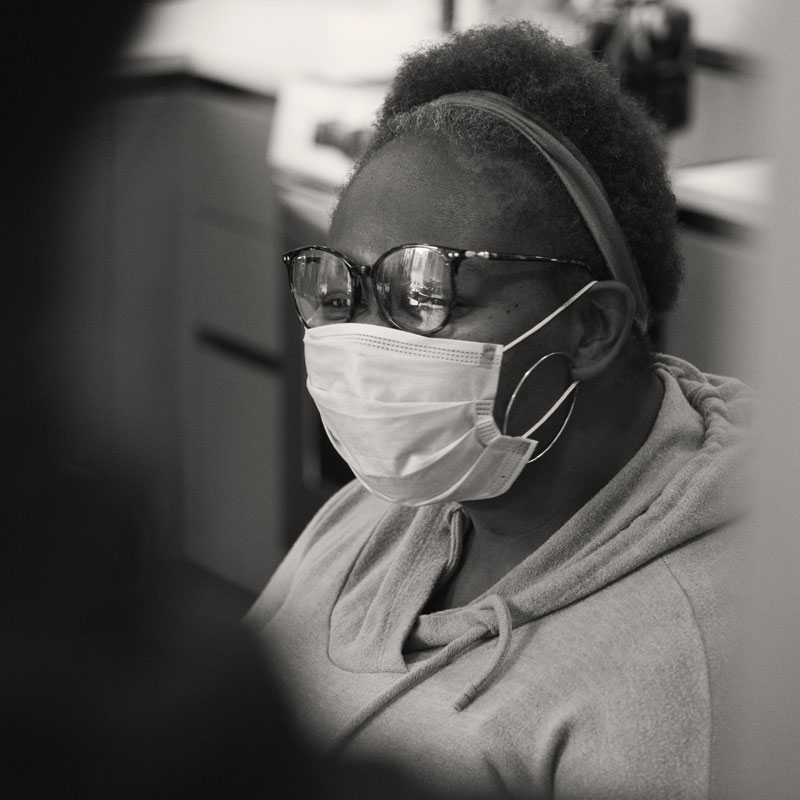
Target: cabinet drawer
{"points": [[236, 285], [234, 480]]}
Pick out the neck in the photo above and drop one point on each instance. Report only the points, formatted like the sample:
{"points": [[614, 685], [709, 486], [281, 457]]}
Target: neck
{"points": [[599, 440]]}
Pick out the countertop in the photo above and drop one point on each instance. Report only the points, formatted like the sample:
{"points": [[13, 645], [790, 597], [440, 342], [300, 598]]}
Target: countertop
{"points": [[737, 191]]}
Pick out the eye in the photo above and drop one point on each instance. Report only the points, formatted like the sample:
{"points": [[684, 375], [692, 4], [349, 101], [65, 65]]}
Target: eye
{"points": [[335, 300]]}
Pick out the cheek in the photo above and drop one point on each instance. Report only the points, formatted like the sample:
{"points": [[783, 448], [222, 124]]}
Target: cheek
{"points": [[544, 384], [499, 314]]}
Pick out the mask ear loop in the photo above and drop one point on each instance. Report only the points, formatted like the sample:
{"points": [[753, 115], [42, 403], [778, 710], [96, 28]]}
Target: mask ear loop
{"points": [[571, 390]]}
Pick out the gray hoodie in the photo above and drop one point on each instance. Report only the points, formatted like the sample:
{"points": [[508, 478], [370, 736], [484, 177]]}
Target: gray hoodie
{"points": [[596, 668]]}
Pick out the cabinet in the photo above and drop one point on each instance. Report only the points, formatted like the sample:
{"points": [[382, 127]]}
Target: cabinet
{"points": [[723, 216], [711, 325], [232, 367], [175, 317]]}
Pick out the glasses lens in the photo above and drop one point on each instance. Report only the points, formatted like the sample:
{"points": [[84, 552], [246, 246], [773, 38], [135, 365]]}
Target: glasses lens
{"points": [[322, 287], [415, 287]]}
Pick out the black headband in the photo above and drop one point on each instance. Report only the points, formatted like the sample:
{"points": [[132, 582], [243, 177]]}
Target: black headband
{"points": [[580, 181]]}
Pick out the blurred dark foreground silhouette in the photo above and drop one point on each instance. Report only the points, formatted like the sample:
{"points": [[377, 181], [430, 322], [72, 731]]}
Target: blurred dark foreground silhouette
{"points": [[115, 681]]}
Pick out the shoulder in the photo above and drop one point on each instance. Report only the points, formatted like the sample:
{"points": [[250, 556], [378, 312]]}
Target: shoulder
{"points": [[704, 567], [627, 686], [707, 573], [670, 620], [341, 523], [324, 555]]}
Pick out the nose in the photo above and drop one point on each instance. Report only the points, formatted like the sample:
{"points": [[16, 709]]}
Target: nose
{"points": [[366, 310]]}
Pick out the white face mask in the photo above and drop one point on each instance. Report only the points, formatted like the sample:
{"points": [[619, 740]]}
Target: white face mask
{"points": [[413, 415]]}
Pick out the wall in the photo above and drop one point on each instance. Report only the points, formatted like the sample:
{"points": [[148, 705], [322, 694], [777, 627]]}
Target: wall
{"points": [[770, 731]]}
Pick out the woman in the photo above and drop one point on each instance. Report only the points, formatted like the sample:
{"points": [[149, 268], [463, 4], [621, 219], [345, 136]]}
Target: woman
{"points": [[524, 589]]}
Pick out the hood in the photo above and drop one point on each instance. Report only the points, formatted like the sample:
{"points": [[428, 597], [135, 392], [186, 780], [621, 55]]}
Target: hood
{"points": [[686, 480]]}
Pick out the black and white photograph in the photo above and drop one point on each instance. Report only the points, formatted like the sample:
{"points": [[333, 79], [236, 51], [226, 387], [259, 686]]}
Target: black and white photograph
{"points": [[399, 399]]}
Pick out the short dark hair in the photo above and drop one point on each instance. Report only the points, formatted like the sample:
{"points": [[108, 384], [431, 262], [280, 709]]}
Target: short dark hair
{"points": [[567, 88]]}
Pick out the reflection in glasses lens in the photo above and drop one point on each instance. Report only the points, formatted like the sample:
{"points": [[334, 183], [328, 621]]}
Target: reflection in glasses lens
{"points": [[323, 290], [420, 288]]}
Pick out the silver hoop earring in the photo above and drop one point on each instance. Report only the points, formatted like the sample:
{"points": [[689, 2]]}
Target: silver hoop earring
{"points": [[572, 389]]}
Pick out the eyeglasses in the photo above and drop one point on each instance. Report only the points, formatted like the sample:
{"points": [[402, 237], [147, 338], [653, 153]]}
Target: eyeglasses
{"points": [[414, 284]]}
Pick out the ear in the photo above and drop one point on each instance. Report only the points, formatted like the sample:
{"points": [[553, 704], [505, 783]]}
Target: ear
{"points": [[606, 316]]}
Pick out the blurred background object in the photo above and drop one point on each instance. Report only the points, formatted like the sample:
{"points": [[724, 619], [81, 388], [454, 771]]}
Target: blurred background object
{"points": [[648, 46]]}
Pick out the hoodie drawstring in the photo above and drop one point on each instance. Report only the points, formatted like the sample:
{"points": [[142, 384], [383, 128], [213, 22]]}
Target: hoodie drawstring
{"points": [[500, 651], [437, 662]]}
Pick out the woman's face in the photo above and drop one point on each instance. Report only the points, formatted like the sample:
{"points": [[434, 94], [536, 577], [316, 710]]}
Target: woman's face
{"points": [[416, 190]]}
